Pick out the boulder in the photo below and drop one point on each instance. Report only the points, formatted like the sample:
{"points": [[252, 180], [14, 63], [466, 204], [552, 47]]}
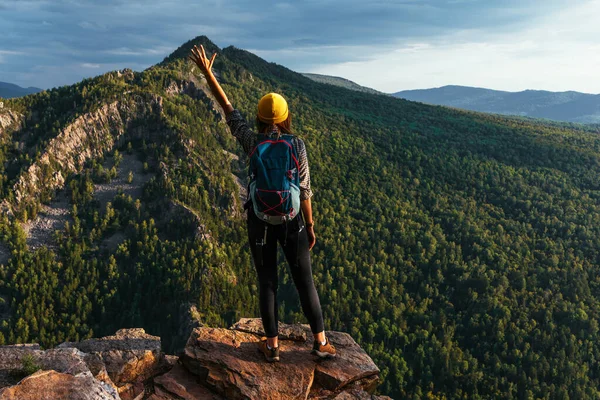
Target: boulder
{"points": [[130, 356], [228, 362], [44, 385], [351, 364]]}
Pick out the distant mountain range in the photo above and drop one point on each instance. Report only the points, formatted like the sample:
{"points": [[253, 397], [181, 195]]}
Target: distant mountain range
{"points": [[341, 82], [560, 106], [10, 90]]}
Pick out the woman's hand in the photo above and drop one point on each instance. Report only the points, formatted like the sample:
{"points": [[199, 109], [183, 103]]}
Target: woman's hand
{"points": [[199, 57], [310, 231]]}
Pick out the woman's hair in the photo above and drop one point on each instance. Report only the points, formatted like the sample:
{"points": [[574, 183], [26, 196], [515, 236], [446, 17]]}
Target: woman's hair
{"points": [[284, 127]]}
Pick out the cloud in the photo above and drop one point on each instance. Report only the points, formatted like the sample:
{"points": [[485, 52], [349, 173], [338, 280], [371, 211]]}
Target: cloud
{"points": [[4, 53], [126, 51], [92, 26], [317, 35], [557, 52]]}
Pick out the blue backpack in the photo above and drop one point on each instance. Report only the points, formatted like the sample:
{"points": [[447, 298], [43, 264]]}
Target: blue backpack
{"points": [[275, 179]]}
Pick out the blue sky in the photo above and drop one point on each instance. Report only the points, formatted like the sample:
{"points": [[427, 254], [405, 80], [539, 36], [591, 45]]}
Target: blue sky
{"points": [[385, 44]]}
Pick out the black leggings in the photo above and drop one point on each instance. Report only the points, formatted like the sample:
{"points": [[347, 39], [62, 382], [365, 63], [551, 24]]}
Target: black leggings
{"points": [[294, 241]]}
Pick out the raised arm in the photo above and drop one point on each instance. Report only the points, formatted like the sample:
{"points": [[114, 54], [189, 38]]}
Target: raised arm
{"points": [[199, 57]]}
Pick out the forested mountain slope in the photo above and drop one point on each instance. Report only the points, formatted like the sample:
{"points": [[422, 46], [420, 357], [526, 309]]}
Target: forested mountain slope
{"points": [[460, 250]]}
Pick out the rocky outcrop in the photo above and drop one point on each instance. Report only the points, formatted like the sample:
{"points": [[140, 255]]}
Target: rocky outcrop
{"points": [[70, 361], [9, 119], [56, 385], [228, 362], [130, 356], [216, 364], [89, 136]]}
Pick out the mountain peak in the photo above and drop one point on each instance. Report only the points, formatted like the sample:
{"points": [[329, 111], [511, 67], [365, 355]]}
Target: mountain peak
{"points": [[183, 51]]}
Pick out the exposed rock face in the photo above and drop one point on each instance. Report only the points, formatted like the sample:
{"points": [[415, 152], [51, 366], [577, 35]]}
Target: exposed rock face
{"points": [[8, 119], [216, 364], [89, 136]]}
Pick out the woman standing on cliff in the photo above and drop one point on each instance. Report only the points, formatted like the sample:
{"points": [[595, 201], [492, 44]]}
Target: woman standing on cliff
{"points": [[283, 221]]}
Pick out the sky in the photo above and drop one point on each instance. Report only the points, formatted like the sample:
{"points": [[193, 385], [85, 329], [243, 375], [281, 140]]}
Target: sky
{"points": [[389, 45]]}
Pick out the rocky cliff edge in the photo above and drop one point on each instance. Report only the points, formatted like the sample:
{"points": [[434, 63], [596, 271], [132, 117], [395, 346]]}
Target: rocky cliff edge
{"points": [[215, 364]]}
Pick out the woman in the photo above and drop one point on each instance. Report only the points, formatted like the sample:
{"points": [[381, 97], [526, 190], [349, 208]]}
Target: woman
{"points": [[296, 236]]}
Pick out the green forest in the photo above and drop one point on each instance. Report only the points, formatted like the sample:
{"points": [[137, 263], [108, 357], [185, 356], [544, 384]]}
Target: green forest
{"points": [[459, 249]]}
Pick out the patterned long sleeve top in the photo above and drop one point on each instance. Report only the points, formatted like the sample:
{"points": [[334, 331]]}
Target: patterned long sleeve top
{"points": [[247, 138]]}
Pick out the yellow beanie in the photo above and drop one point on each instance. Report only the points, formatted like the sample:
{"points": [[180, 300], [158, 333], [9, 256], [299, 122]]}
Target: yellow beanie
{"points": [[272, 108]]}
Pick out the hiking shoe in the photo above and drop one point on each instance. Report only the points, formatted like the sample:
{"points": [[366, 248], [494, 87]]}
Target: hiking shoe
{"points": [[271, 355], [324, 351]]}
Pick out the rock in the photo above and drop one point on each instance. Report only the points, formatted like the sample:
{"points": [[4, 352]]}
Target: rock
{"points": [[160, 394], [169, 362], [132, 391], [45, 385], [130, 356], [184, 385], [228, 362], [11, 356], [298, 333], [351, 364], [71, 361], [9, 119]]}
